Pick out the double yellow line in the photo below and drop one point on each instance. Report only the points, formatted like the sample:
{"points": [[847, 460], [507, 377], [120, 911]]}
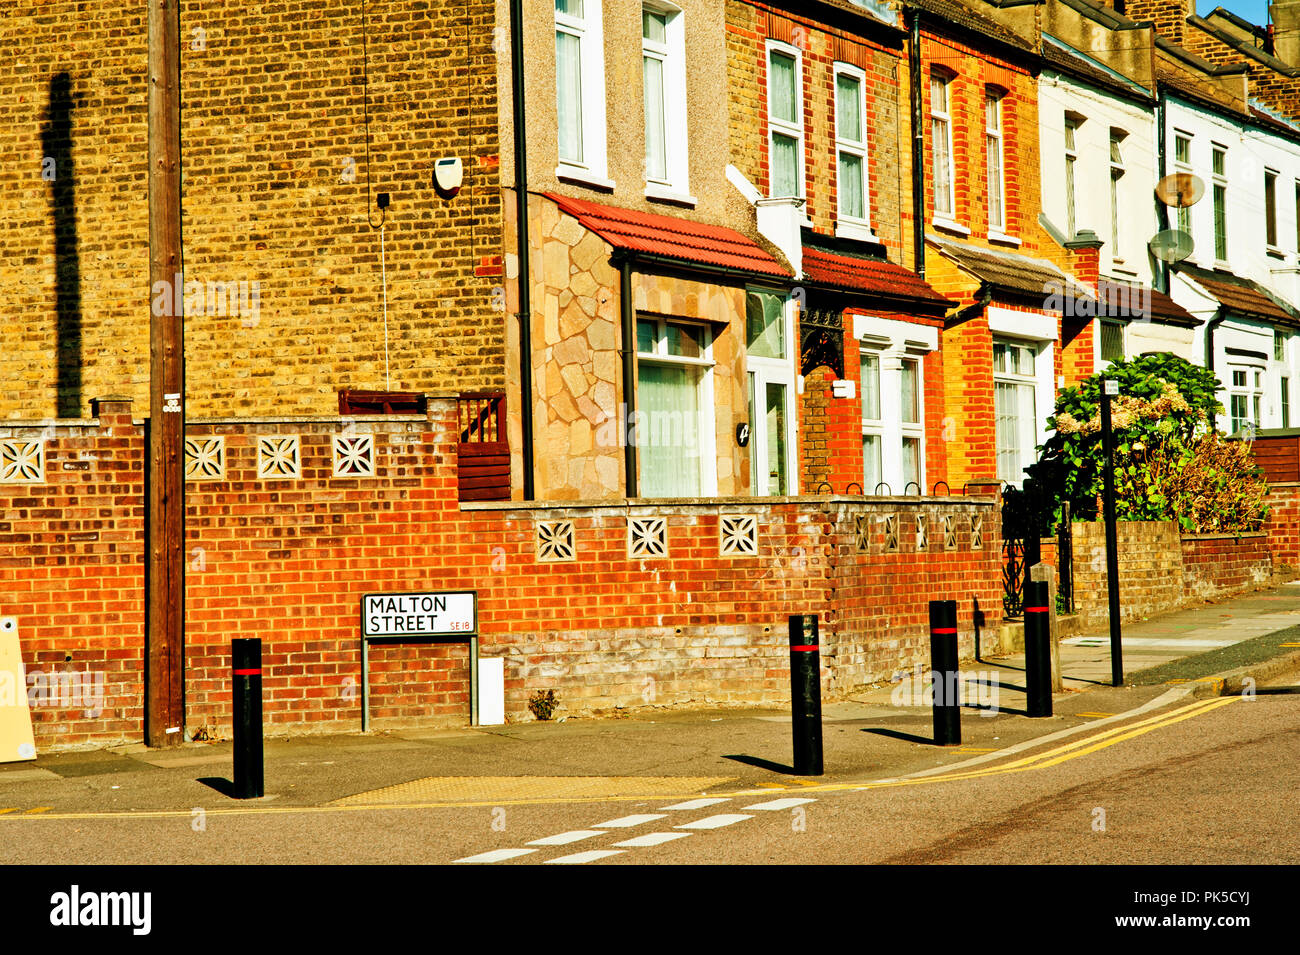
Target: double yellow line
{"points": [[1080, 747]]}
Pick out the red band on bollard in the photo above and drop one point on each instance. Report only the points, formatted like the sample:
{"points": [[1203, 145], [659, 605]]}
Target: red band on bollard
{"points": [[248, 672], [943, 630], [1036, 610], [806, 646]]}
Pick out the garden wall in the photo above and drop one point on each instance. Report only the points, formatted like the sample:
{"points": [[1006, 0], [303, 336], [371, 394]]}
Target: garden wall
{"points": [[291, 520]]}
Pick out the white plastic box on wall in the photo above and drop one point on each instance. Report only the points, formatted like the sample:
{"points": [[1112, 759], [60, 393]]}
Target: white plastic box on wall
{"points": [[491, 691]]}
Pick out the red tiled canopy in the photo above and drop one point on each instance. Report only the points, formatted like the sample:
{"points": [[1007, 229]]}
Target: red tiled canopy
{"points": [[671, 237], [868, 275]]}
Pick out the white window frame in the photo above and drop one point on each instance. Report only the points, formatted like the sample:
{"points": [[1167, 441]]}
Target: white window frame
{"points": [[1253, 391], [1070, 148], [779, 126], [675, 186], [707, 425], [895, 342], [760, 371], [853, 227], [591, 167], [993, 140], [944, 117], [1219, 181], [1273, 242], [1183, 215], [1117, 170], [1038, 332]]}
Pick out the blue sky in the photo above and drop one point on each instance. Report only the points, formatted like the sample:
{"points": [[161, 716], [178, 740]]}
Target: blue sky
{"points": [[1256, 11]]}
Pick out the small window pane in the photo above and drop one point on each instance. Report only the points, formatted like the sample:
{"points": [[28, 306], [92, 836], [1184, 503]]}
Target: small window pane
{"points": [[872, 473], [999, 357], [1218, 162], [1112, 342], [783, 88], [870, 387], [646, 333], [1279, 346], [1270, 207], [1239, 379], [656, 144], [765, 324], [848, 110], [776, 449], [568, 92], [654, 26], [911, 462], [1070, 127], [849, 182], [572, 7], [938, 94], [685, 341], [785, 165], [1286, 402], [1182, 149], [910, 408]]}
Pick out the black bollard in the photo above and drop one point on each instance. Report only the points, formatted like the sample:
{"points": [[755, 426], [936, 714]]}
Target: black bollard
{"points": [[1038, 650], [246, 659], [943, 667], [806, 695]]}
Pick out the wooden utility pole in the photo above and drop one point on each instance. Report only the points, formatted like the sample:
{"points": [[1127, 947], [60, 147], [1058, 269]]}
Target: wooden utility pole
{"points": [[165, 517]]}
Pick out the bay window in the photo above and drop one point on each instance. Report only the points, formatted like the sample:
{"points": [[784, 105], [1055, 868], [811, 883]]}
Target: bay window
{"points": [[1015, 383], [674, 418], [1245, 397]]}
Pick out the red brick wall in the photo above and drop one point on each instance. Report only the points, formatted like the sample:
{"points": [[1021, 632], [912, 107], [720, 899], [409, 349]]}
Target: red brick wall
{"points": [[72, 572], [1215, 564], [1283, 525], [287, 560]]}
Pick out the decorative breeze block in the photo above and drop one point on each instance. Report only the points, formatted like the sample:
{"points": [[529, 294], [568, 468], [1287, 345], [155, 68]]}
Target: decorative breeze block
{"points": [[922, 532], [861, 532], [949, 531], [278, 456], [555, 541], [977, 532], [891, 532], [205, 458], [738, 535], [354, 455], [647, 537], [22, 462]]}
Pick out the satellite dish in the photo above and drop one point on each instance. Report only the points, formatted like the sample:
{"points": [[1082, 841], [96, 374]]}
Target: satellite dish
{"points": [[1180, 190], [1171, 245]]}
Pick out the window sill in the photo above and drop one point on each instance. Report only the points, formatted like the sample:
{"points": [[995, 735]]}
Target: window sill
{"points": [[656, 192], [1276, 253], [950, 225], [1119, 268], [855, 230], [1002, 237], [583, 177]]}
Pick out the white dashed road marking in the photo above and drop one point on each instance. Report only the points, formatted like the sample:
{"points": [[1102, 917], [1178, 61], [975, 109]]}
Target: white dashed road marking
{"points": [[697, 803], [714, 822], [652, 839], [496, 855], [564, 838], [578, 858], [775, 805], [626, 822]]}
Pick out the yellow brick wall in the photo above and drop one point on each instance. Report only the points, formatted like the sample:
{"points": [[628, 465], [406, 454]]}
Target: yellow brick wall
{"points": [[275, 193]]}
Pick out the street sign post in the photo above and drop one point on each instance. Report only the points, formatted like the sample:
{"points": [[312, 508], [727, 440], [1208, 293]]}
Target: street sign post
{"points": [[427, 617]]}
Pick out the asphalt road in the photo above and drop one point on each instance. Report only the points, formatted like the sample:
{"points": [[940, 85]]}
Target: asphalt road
{"points": [[1199, 782]]}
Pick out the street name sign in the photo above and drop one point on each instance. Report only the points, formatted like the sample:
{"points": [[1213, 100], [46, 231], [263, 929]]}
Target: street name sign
{"points": [[419, 614]]}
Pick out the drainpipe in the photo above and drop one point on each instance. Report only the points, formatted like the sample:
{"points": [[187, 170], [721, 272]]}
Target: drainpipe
{"points": [[918, 148], [1210, 325], [628, 314], [1162, 161], [525, 315]]}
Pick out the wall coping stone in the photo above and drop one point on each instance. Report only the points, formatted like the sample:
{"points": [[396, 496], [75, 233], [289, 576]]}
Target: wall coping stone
{"points": [[652, 504]]}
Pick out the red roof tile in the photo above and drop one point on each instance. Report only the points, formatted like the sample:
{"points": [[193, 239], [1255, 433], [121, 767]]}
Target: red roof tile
{"points": [[868, 275], [1126, 300], [671, 237]]}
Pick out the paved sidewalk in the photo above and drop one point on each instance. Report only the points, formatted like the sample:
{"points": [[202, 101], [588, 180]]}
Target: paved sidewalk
{"points": [[881, 732]]}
